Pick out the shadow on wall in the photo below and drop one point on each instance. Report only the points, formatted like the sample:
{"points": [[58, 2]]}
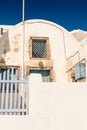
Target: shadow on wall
{"points": [[4, 47]]}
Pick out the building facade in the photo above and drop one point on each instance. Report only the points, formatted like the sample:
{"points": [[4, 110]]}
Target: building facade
{"points": [[39, 46], [43, 74]]}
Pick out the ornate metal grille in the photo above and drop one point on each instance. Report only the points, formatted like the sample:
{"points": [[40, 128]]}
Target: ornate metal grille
{"points": [[39, 49]]}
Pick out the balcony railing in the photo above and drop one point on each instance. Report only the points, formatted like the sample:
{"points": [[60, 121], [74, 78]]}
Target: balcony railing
{"points": [[14, 97]]}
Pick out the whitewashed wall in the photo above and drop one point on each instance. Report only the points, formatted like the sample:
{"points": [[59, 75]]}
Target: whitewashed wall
{"points": [[52, 106], [62, 45]]}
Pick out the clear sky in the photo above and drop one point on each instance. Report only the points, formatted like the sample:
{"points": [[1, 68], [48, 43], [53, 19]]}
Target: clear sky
{"points": [[71, 14]]}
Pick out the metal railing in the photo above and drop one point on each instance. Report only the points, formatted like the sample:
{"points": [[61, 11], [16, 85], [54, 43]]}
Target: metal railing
{"points": [[14, 96]]}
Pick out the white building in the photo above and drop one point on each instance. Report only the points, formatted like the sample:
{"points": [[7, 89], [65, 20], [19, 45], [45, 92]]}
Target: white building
{"points": [[45, 48]]}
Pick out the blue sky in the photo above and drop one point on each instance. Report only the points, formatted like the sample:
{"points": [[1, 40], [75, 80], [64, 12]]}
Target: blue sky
{"points": [[71, 14]]}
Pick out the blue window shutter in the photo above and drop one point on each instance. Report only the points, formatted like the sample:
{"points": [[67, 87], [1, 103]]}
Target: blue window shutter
{"points": [[80, 71]]}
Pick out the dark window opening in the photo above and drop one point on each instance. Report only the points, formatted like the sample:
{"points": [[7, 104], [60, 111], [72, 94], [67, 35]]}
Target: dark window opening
{"points": [[1, 31], [39, 48], [8, 74]]}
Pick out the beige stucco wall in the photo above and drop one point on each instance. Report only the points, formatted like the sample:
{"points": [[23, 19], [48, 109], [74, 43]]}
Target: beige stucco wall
{"points": [[62, 46], [52, 106]]}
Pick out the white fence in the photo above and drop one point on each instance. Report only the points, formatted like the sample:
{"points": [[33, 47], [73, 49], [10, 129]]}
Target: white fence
{"points": [[14, 96]]}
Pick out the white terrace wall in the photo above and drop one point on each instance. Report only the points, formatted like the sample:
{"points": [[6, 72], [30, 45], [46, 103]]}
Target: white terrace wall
{"points": [[52, 106]]}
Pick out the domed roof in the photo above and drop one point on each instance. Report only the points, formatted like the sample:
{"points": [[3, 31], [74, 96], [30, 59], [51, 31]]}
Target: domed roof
{"points": [[32, 21]]}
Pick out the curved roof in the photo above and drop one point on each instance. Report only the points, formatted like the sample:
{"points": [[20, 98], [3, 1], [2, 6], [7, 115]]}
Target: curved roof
{"points": [[46, 22], [32, 21]]}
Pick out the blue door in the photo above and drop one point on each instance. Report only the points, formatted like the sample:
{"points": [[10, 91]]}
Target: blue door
{"points": [[44, 73]]}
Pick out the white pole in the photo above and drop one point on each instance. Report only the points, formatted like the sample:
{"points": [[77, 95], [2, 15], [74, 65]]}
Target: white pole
{"points": [[23, 9], [22, 87]]}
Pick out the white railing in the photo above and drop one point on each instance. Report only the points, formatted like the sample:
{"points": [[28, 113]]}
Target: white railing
{"points": [[14, 97]]}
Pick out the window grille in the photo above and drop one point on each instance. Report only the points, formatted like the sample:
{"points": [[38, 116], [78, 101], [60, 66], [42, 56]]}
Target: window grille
{"points": [[39, 49], [8, 74]]}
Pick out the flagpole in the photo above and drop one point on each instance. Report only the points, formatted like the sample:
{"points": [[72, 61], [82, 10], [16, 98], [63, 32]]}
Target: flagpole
{"points": [[23, 9], [23, 42]]}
